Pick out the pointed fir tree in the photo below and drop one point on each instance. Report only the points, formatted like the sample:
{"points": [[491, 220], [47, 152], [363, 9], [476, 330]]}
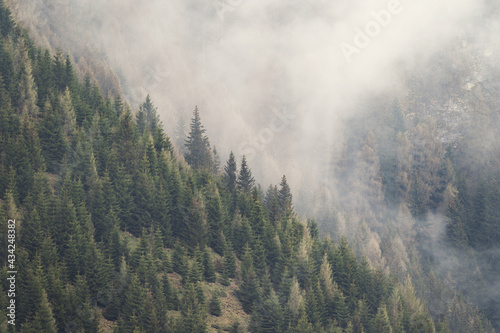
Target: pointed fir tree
{"points": [[259, 258], [214, 307], [215, 216], [229, 262], [52, 138], [270, 315], [248, 292], [230, 173], [418, 199], [68, 114], [194, 230], [44, 317], [208, 267], [118, 105], [170, 294], [179, 260], [296, 302], [152, 118], [195, 273], [192, 312], [198, 153], [32, 230], [27, 92], [285, 196], [381, 320], [245, 180], [271, 202], [140, 120]]}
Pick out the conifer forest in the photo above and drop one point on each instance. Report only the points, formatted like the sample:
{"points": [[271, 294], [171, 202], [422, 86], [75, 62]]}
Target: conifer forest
{"points": [[201, 167]]}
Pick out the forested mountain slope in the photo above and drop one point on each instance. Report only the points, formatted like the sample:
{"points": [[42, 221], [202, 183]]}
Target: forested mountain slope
{"points": [[116, 232], [423, 170]]}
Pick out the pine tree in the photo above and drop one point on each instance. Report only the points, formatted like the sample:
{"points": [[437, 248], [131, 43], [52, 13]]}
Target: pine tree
{"points": [[133, 304], [6, 22], [230, 173], [68, 114], [270, 315], [341, 310], [194, 231], [198, 147], [303, 325], [326, 280], [180, 264], [44, 76], [248, 292], [44, 317], [312, 307], [230, 178], [69, 74], [152, 118], [170, 294], [285, 196], [296, 302], [381, 321], [32, 229], [272, 204], [142, 199], [245, 180], [228, 265], [124, 141], [419, 196], [259, 258], [140, 120], [195, 273], [214, 307], [257, 219], [118, 105], [215, 216], [27, 92], [52, 138], [192, 312], [208, 267]]}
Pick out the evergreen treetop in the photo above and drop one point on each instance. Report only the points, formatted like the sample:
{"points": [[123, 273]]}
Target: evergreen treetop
{"points": [[246, 181], [198, 153]]}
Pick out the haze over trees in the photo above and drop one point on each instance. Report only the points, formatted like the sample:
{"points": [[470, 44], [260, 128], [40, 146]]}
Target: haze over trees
{"points": [[115, 229], [122, 228]]}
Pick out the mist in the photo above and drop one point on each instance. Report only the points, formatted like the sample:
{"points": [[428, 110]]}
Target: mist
{"points": [[276, 79], [287, 83]]}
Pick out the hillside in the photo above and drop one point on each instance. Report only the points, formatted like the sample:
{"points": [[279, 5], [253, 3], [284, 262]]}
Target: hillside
{"points": [[117, 232]]}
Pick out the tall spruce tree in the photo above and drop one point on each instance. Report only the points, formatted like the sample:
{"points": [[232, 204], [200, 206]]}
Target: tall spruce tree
{"points": [[230, 173], [52, 138], [214, 306], [198, 153], [285, 195], [248, 292], [245, 178]]}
